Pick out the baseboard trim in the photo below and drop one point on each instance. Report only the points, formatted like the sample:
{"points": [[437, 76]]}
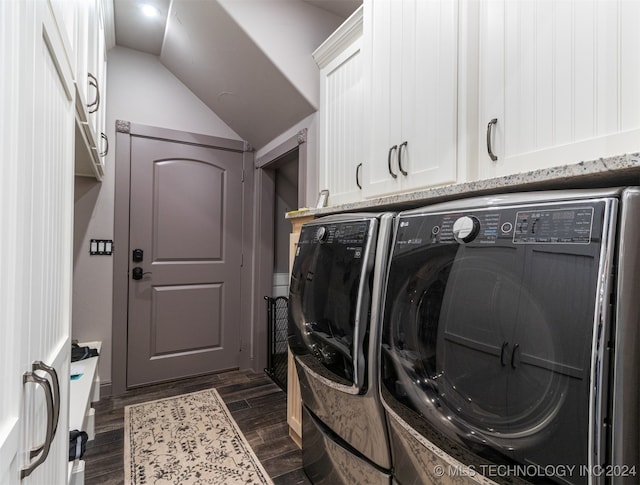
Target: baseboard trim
{"points": [[105, 389]]}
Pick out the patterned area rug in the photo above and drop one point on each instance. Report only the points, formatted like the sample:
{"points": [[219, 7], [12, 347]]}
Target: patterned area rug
{"points": [[187, 439]]}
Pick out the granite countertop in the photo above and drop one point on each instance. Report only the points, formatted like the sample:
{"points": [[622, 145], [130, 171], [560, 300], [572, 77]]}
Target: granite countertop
{"points": [[603, 172]]}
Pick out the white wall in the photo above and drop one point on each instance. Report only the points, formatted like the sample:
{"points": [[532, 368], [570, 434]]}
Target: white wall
{"points": [[272, 25], [139, 90]]}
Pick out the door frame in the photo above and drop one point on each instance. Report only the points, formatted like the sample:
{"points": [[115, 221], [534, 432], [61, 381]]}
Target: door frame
{"points": [[125, 130], [265, 184]]}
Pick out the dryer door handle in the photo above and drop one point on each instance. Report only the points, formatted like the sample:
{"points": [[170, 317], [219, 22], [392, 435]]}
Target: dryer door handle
{"points": [[513, 356], [503, 351]]}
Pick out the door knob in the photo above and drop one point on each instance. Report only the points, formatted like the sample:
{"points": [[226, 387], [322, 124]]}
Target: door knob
{"points": [[138, 273]]}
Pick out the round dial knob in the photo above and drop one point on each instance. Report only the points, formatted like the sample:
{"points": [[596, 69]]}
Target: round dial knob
{"points": [[465, 229], [322, 234]]}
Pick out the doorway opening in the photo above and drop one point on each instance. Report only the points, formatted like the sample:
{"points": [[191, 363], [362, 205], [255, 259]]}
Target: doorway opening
{"points": [[280, 188], [286, 200], [285, 176]]}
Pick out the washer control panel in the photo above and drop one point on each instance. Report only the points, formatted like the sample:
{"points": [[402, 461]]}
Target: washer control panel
{"points": [[554, 226], [568, 223], [464, 228]]}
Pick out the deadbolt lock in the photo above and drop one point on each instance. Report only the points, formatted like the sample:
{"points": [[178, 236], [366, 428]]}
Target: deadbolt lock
{"points": [[138, 255]]}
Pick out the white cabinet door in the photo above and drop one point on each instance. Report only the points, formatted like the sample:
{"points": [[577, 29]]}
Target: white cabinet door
{"points": [[65, 12], [90, 79], [383, 36], [13, 33], [82, 47], [413, 98], [36, 225], [561, 80], [429, 93], [98, 112], [97, 57], [342, 115]]}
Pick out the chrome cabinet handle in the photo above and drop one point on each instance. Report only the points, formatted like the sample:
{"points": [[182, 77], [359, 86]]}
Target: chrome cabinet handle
{"points": [[93, 107], [403, 171], [358, 170], [39, 365], [394, 147], [492, 156], [106, 150], [30, 377]]}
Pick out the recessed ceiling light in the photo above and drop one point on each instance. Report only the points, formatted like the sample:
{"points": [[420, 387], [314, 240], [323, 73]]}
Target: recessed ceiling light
{"points": [[150, 10]]}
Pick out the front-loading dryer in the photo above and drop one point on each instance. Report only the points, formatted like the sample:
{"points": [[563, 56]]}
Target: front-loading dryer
{"points": [[334, 301], [511, 340]]}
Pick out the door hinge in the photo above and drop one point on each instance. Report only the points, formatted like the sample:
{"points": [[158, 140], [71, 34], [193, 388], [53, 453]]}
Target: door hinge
{"points": [[243, 175], [242, 260]]}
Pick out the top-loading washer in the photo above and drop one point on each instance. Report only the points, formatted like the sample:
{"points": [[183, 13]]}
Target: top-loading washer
{"points": [[334, 301], [511, 339]]}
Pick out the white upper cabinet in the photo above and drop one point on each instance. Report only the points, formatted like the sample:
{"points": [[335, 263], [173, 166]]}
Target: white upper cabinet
{"points": [[561, 79], [90, 82], [411, 102], [341, 151]]}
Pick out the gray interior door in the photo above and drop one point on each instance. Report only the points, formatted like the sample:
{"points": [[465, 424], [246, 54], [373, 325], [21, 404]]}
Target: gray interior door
{"points": [[185, 217]]}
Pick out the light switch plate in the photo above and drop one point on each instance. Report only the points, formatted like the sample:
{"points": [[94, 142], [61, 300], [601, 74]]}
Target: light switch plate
{"points": [[101, 247]]}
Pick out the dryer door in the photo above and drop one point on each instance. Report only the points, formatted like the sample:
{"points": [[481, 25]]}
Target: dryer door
{"points": [[330, 298], [448, 333]]}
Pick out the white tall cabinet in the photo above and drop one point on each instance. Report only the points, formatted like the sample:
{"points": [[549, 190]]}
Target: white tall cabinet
{"points": [[561, 79], [36, 226], [411, 74], [41, 42]]}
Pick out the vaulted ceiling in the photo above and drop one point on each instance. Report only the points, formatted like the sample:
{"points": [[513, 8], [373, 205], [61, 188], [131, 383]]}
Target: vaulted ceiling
{"points": [[249, 61]]}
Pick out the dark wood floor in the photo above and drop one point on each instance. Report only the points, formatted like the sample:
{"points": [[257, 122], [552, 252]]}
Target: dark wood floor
{"points": [[256, 403]]}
